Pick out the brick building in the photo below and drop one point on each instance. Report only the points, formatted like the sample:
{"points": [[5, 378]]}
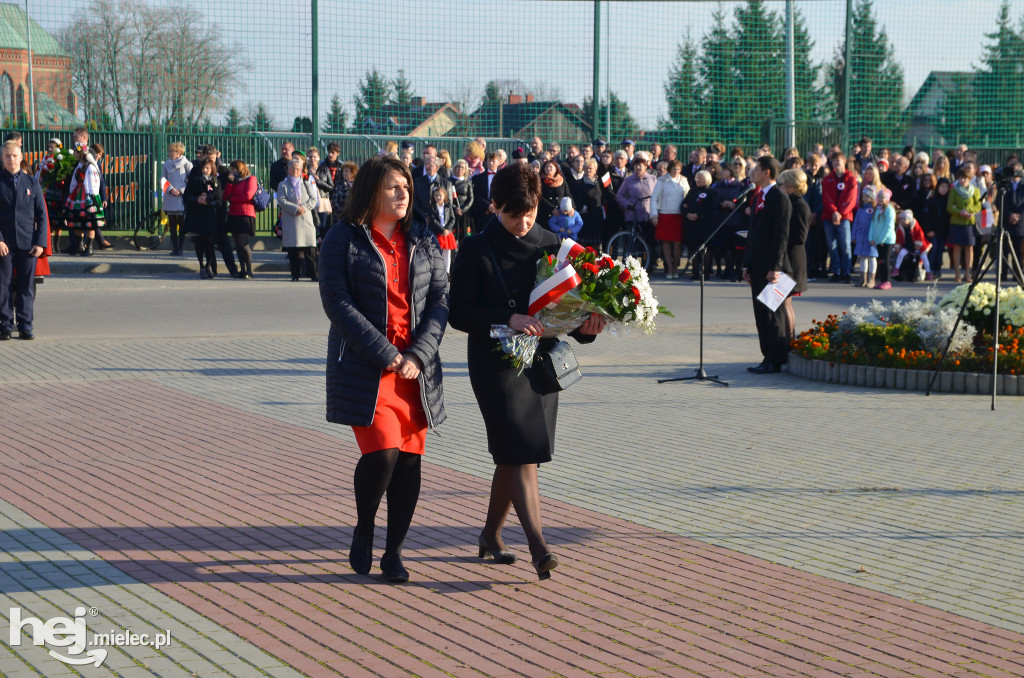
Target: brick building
{"points": [[51, 66]]}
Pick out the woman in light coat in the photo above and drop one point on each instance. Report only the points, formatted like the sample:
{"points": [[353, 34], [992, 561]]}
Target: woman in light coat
{"points": [[666, 215], [296, 201]]}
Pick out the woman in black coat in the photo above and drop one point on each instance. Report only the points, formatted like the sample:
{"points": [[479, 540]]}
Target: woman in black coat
{"points": [[518, 414], [698, 210], [793, 182], [554, 188], [587, 197], [203, 196], [383, 369], [462, 201], [935, 222]]}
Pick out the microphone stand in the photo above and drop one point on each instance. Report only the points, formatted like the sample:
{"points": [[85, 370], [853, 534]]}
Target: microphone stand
{"points": [[700, 374]]}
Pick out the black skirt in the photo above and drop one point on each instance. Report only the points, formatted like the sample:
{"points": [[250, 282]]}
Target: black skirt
{"points": [[519, 418], [240, 223]]}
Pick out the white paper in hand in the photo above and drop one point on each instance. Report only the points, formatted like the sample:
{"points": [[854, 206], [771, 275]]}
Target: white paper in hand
{"points": [[775, 293]]}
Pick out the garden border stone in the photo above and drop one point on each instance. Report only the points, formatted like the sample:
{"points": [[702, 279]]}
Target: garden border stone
{"points": [[896, 378]]}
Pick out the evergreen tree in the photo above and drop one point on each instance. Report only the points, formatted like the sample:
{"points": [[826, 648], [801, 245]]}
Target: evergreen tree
{"points": [[401, 89], [809, 96], [374, 93], [303, 124], [260, 119], [999, 83], [492, 93], [717, 73], [958, 122], [760, 83], [623, 124], [337, 118], [687, 113], [876, 94], [233, 121]]}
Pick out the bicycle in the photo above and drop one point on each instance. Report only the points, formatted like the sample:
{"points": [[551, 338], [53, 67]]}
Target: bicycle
{"points": [[631, 241], [150, 231]]}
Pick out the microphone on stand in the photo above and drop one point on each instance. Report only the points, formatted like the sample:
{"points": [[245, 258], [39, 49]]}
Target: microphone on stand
{"points": [[743, 196]]}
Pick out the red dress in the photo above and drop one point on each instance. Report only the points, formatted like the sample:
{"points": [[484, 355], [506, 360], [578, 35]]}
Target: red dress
{"points": [[398, 419]]}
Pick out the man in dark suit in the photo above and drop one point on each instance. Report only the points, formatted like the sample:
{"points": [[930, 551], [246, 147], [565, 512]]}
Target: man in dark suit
{"points": [[23, 230], [278, 169], [423, 186], [481, 209], [1013, 212], [766, 258], [698, 156]]}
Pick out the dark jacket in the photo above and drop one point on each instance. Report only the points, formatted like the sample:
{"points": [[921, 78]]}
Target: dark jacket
{"points": [[935, 218], [518, 415], [202, 220], [23, 224], [587, 198], [1013, 203], [434, 219], [464, 194], [799, 225], [705, 208], [278, 171], [768, 236], [481, 200], [550, 198], [353, 289]]}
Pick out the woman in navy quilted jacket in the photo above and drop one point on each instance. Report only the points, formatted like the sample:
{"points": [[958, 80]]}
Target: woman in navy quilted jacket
{"points": [[385, 289]]}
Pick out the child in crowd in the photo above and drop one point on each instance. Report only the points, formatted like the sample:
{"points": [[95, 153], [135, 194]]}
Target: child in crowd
{"points": [[883, 235], [99, 153], [910, 239], [862, 246], [441, 221], [84, 205], [567, 222]]}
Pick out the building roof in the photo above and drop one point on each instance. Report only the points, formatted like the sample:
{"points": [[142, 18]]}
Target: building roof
{"points": [[51, 114], [929, 98], [515, 117], [12, 33], [403, 118]]}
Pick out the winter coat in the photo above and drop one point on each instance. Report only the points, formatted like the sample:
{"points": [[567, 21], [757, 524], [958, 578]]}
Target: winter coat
{"points": [[799, 226], [296, 230], [883, 226], [861, 232], [668, 195], [934, 218], [176, 172], [353, 289], [203, 220], [434, 219], [631, 196], [587, 198], [550, 199], [702, 201], [566, 227], [957, 203], [916, 236]]}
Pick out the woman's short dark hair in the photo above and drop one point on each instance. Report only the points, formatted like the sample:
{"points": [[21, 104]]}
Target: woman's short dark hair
{"points": [[558, 168], [240, 167], [515, 189], [333, 147], [674, 163], [367, 192]]}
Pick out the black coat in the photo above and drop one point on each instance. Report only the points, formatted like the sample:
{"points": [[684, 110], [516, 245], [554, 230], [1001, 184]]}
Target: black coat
{"points": [[768, 236], [587, 198], [23, 224], [705, 208], [278, 172], [434, 220], [353, 290], [520, 420], [935, 218], [1013, 203], [799, 225], [203, 220], [481, 199], [736, 218], [550, 197]]}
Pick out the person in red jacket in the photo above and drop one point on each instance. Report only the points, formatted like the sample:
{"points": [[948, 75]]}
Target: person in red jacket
{"points": [[238, 191], [910, 239], [839, 201]]}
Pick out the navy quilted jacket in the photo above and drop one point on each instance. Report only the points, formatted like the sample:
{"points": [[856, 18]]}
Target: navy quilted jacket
{"points": [[353, 290]]}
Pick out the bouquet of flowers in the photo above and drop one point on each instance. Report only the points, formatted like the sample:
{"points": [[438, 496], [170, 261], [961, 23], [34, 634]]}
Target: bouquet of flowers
{"points": [[56, 167], [575, 283]]}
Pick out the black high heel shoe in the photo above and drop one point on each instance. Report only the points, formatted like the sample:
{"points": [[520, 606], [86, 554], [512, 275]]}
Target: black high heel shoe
{"points": [[391, 566], [500, 557], [544, 565], [360, 554]]}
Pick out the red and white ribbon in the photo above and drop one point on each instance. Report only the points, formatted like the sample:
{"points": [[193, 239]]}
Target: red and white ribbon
{"points": [[164, 184], [569, 249], [547, 294]]}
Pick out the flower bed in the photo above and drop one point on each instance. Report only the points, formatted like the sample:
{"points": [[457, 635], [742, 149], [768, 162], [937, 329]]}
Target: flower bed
{"points": [[910, 336]]}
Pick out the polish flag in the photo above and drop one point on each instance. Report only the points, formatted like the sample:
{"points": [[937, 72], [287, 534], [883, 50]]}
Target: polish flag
{"points": [[606, 180], [164, 185]]}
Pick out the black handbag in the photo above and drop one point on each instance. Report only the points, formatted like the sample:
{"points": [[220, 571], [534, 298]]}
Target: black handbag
{"points": [[555, 368]]}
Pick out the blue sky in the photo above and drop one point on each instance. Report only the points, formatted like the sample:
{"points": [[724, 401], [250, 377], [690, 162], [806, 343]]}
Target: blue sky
{"points": [[457, 46]]}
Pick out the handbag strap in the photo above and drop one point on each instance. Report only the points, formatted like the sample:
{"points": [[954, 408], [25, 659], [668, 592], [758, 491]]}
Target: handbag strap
{"points": [[497, 269]]}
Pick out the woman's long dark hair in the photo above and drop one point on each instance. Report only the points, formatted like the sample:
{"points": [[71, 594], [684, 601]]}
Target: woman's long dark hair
{"points": [[366, 194]]}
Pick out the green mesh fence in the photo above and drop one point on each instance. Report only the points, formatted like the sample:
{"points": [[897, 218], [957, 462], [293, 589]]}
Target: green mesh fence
{"points": [[244, 75]]}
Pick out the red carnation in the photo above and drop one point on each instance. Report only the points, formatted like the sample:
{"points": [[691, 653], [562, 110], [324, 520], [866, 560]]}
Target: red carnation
{"points": [[592, 268], [591, 250], [636, 294], [625, 276]]}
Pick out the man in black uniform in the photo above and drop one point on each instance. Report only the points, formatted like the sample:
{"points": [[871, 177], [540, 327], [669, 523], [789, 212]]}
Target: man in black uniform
{"points": [[766, 258]]}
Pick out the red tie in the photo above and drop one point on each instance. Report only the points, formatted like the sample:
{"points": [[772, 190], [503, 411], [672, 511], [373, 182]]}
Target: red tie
{"points": [[759, 200]]}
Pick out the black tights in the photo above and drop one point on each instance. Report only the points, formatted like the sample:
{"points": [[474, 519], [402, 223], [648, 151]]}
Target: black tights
{"points": [[516, 487], [396, 473], [206, 253], [298, 255], [244, 253], [883, 262]]}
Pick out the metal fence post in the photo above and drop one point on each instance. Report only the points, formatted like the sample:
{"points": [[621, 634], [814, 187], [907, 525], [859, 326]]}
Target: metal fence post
{"points": [[847, 74], [790, 79], [597, 68], [314, 27]]}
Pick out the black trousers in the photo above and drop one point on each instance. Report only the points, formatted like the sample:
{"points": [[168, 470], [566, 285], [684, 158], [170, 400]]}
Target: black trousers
{"points": [[771, 325], [23, 300]]}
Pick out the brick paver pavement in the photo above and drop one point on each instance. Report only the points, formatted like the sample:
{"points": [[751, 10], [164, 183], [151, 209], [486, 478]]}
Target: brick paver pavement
{"points": [[217, 502]]}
